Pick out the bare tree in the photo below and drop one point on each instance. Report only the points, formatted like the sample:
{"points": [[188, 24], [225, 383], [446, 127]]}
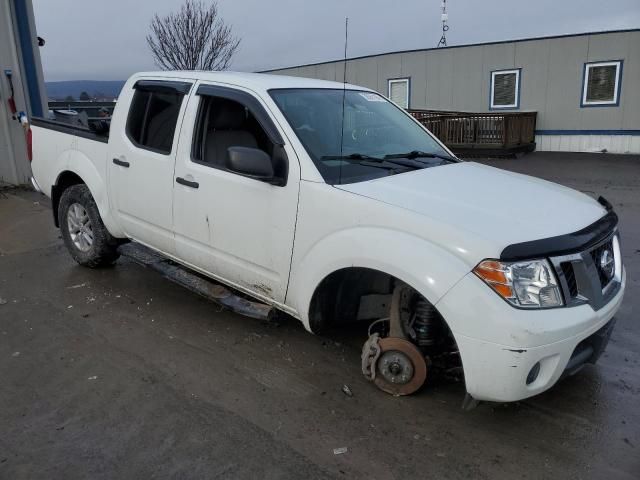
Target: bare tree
{"points": [[195, 38]]}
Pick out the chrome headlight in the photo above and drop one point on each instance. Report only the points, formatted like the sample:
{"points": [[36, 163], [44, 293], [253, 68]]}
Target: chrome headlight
{"points": [[527, 284]]}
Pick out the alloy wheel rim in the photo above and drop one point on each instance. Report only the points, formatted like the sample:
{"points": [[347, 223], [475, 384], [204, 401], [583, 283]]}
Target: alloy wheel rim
{"points": [[80, 228]]}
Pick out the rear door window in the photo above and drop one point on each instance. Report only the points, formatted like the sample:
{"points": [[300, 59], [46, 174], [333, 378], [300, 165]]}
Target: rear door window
{"points": [[153, 115]]}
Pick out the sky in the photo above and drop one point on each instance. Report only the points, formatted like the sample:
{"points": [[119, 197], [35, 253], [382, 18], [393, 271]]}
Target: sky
{"points": [[105, 39]]}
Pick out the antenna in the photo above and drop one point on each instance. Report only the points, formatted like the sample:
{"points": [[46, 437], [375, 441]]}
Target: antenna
{"points": [[344, 93], [445, 28]]}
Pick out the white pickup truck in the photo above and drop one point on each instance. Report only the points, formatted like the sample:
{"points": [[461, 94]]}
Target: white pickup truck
{"points": [[332, 204]]}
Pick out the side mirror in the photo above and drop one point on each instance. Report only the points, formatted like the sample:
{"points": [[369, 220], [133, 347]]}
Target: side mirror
{"points": [[250, 162]]}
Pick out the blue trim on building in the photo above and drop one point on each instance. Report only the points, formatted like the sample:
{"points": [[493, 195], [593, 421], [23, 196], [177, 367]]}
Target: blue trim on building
{"points": [[519, 88], [584, 78], [28, 60], [634, 133], [408, 79]]}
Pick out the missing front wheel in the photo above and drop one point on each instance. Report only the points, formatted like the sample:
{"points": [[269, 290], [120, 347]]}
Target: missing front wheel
{"points": [[413, 339]]}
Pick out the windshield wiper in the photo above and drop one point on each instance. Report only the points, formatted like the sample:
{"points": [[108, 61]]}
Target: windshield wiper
{"points": [[370, 161], [420, 154], [352, 156]]}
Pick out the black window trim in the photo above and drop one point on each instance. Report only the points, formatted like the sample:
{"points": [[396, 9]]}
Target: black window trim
{"points": [[156, 86], [257, 110], [197, 141], [160, 85]]}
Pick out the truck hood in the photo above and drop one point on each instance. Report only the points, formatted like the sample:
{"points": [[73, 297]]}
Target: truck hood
{"points": [[483, 204]]}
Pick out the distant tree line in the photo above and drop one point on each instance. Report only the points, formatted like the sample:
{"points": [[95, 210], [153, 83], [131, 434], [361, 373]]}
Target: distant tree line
{"points": [[85, 97]]}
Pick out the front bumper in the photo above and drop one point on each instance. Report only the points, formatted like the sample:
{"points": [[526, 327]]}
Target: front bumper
{"points": [[499, 345]]}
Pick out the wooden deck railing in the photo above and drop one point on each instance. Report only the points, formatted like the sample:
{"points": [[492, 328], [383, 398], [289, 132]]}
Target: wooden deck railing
{"points": [[498, 132]]}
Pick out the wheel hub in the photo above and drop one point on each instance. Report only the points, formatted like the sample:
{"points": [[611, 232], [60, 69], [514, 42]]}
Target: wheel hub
{"points": [[395, 367], [80, 228], [401, 368]]}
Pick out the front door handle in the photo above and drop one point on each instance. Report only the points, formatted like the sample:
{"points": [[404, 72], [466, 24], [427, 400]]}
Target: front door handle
{"points": [[122, 163], [187, 183]]}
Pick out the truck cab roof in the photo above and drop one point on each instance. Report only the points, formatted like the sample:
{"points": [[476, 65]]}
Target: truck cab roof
{"points": [[253, 81]]}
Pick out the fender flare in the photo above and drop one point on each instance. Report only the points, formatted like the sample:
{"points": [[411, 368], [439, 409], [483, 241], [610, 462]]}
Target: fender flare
{"points": [[429, 269]]}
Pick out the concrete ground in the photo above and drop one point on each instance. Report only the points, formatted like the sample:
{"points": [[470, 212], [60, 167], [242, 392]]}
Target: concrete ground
{"points": [[118, 373]]}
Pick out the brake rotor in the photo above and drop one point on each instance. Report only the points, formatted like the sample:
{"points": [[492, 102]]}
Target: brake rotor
{"points": [[401, 369]]}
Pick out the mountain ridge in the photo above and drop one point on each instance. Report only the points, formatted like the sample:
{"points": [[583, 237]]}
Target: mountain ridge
{"points": [[73, 88]]}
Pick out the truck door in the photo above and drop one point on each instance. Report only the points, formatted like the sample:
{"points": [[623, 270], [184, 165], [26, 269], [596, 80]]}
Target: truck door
{"points": [[141, 160], [232, 226]]}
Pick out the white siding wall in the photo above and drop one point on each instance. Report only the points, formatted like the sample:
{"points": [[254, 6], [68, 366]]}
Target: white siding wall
{"points": [[457, 78], [588, 143]]}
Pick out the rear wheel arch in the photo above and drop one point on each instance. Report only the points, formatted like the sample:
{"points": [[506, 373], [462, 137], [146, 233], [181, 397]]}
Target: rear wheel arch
{"points": [[65, 180], [85, 173], [83, 232]]}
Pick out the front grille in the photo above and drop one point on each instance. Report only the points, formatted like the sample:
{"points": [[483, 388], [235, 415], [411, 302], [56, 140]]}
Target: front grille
{"points": [[583, 277], [596, 253], [570, 277]]}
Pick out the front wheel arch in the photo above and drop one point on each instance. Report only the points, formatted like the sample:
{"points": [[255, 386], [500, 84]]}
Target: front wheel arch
{"points": [[336, 298], [335, 302]]}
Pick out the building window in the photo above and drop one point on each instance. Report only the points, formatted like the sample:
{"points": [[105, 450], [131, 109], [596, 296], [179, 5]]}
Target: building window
{"points": [[398, 91], [601, 84], [505, 89]]}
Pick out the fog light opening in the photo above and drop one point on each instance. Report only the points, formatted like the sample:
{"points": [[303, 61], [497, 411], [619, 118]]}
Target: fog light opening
{"points": [[533, 373]]}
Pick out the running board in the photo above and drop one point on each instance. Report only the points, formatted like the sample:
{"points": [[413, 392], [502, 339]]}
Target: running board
{"points": [[199, 284]]}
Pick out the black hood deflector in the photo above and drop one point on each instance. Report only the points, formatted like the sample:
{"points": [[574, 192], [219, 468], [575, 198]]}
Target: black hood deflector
{"points": [[564, 244]]}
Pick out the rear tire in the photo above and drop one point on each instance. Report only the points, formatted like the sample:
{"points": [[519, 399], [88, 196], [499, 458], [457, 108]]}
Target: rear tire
{"points": [[84, 234]]}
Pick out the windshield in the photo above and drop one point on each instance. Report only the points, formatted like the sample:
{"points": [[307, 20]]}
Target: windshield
{"points": [[379, 139]]}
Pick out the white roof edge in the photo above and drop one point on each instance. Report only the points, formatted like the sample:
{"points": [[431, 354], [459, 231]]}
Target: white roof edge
{"points": [[255, 81]]}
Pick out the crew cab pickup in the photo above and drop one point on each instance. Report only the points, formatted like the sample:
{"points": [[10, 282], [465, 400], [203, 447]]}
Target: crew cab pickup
{"points": [[332, 204]]}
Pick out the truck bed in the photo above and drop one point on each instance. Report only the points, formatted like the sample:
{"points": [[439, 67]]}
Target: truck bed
{"points": [[70, 129], [60, 148]]}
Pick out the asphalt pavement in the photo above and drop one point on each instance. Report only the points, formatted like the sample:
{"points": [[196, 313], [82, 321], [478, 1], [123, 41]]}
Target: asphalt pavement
{"points": [[119, 373]]}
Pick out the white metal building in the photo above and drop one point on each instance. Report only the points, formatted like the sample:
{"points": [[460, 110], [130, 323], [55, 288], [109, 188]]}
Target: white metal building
{"points": [[585, 88]]}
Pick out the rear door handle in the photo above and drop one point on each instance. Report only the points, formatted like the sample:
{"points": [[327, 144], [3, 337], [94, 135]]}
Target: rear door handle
{"points": [[122, 163], [187, 183]]}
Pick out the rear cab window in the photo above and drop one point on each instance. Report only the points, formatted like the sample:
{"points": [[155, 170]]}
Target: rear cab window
{"points": [[153, 114]]}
